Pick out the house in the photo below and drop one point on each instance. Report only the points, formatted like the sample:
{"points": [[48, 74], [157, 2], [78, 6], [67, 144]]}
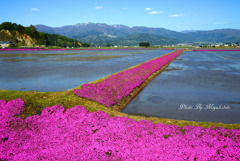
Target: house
{"points": [[5, 44]]}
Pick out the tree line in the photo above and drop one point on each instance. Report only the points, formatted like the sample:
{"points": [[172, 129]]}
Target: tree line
{"points": [[41, 38], [144, 44]]}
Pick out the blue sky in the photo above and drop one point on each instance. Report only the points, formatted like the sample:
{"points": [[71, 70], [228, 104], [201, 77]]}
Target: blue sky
{"points": [[175, 15]]}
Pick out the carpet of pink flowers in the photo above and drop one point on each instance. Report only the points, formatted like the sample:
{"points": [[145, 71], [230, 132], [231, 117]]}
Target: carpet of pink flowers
{"points": [[216, 50], [76, 134], [113, 89]]}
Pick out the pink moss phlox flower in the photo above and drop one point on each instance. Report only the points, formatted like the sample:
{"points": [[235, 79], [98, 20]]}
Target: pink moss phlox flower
{"points": [[76, 134], [216, 50], [113, 89], [11, 108]]}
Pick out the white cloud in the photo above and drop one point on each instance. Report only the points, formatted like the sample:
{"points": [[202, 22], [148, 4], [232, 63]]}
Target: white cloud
{"points": [[148, 9], [34, 9], [177, 15], [155, 12], [124, 8], [98, 7]]}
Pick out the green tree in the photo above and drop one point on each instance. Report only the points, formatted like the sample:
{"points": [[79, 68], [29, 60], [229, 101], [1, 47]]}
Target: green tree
{"points": [[8, 26], [43, 39], [31, 31], [108, 45], [20, 29], [144, 44], [85, 45]]}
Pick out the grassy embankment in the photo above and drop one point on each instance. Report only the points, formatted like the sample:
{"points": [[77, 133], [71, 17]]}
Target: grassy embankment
{"points": [[36, 101]]}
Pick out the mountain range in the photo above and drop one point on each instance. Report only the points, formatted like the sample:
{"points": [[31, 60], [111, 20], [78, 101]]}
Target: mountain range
{"points": [[102, 34]]}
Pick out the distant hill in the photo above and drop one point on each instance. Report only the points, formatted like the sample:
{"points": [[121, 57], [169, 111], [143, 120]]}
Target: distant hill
{"points": [[98, 38], [29, 36], [135, 39], [221, 35], [100, 33], [187, 31]]}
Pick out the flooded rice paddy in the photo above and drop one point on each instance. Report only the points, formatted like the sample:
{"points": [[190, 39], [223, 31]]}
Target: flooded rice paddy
{"points": [[45, 71], [198, 86]]}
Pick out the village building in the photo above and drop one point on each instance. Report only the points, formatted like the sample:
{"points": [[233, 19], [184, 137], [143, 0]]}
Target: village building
{"points": [[5, 44]]}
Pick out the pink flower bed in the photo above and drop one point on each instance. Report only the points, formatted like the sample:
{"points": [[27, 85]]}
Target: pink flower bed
{"points": [[216, 50], [117, 86], [76, 134]]}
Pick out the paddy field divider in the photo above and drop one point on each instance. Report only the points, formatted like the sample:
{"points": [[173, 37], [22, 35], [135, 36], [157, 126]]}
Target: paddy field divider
{"points": [[117, 90]]}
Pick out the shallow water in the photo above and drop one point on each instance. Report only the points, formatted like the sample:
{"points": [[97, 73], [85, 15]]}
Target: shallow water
{"points": [[62, 70], [191, 87]]}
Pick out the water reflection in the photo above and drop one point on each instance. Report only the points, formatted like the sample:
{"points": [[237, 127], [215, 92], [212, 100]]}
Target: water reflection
{"points": [[198, 78], [62, 70]]}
